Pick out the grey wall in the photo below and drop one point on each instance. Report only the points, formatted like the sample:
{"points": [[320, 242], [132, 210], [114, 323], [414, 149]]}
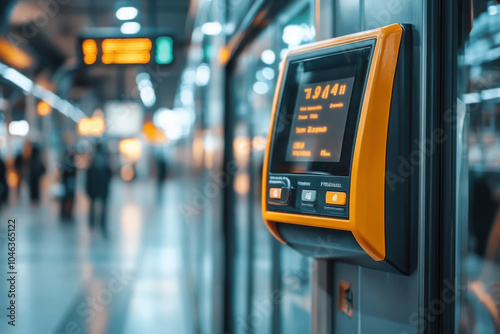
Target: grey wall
{"points": [[383, 302]]}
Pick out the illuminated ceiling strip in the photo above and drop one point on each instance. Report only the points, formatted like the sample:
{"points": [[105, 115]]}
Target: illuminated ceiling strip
{"points": [[29, 87]]}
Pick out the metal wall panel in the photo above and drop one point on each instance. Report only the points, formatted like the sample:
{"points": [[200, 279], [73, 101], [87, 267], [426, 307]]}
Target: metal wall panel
{"points": [[346, 17], [383, 302]]}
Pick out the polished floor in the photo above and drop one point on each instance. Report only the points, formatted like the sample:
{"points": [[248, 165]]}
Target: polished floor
{"points": [[73, 280]]}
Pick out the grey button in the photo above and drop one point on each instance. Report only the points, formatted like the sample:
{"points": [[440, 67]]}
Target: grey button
{"points": [[308, 196]]}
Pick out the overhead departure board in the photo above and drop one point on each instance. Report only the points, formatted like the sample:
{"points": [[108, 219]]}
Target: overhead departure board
{"points": [[319, 121], [127, 50]]}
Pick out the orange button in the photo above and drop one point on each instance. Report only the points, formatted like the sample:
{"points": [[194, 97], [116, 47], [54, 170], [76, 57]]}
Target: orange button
{"points": [[275, 193], [335, 198]]}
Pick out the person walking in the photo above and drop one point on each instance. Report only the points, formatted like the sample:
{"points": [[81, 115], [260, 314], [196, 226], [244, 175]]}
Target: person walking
{"points": [[68, 180], [97, 187], [36, 171]]}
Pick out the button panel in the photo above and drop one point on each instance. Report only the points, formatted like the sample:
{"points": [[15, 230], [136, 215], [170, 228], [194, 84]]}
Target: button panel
{"points": [[318, 195]]}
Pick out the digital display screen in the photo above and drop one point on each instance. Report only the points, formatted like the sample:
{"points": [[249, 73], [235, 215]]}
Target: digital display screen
{"points": [[318, 110], [319, 120]]}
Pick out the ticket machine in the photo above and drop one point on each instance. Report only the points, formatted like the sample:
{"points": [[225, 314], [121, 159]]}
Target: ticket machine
{"points": [[333, 185]]}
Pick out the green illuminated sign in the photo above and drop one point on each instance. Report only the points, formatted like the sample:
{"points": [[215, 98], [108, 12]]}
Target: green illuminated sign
{"points": [[164, 50]]}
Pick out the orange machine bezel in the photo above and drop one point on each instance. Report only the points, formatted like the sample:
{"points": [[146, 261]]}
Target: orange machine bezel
{"points": [[367, 193]]}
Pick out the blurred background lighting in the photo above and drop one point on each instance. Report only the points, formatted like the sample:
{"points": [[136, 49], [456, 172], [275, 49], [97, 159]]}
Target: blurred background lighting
{"points": [[259, 143], [260, 87], [176, 123], [142, 78], [224, 55], [187, 97], [211, 28], [153, 134], [126, 13], [91, 126], [268, 73], [189, 76], [492, 8], [130, 148], [283, 53], [129, 28], [148, 96], [268, 57], [202, 75], [19, 79], [164, 50], [12, 179], [146, 90], [14, 56], [292, 34], [43, 108], [19, 128], [127, 173]]}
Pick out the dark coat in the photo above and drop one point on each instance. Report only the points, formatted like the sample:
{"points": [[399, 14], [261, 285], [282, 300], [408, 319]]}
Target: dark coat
{"points": [[98, 177]]}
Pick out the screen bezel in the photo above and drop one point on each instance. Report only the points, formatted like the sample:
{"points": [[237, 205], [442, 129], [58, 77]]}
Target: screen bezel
{"points": [[350, 60]]}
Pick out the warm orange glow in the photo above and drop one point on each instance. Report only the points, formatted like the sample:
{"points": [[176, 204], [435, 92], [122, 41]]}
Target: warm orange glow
{"points": [[126, 51], [14, 56], [198, 148], [242, 184], [153, 134], [89, 47], [224, 55], [43, 108], [12, 179], [130, 148], [91, 126], [127, 173], [259, 143], [241, 149]]}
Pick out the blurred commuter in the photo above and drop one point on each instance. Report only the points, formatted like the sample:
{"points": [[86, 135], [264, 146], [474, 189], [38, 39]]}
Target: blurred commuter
{"points": [[161, 175], [36, 171], [97, 186], [68, 180], [4, 186], [19, 169]]}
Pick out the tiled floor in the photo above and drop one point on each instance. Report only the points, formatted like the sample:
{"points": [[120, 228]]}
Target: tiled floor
{"points": [[71, 280]]}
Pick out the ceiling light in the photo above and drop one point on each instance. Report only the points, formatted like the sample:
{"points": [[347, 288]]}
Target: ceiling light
{"points": [[126, 13], [211, 28], [19, 128], [292, 34], [130, 28]]}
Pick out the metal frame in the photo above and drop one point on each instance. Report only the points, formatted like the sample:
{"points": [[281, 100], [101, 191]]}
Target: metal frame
{"points": [[446, 24], [257, 19]]}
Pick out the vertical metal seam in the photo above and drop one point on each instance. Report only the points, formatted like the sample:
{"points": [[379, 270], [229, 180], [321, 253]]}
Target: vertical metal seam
{"points": [[359, 299], [421, 202]]}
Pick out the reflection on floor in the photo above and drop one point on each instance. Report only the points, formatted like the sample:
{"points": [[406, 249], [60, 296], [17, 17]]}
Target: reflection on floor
{"points": [[72, 280]]}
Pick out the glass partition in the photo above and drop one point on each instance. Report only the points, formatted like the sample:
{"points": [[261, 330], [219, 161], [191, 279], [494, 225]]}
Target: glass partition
{"points": [[478, 149]]}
